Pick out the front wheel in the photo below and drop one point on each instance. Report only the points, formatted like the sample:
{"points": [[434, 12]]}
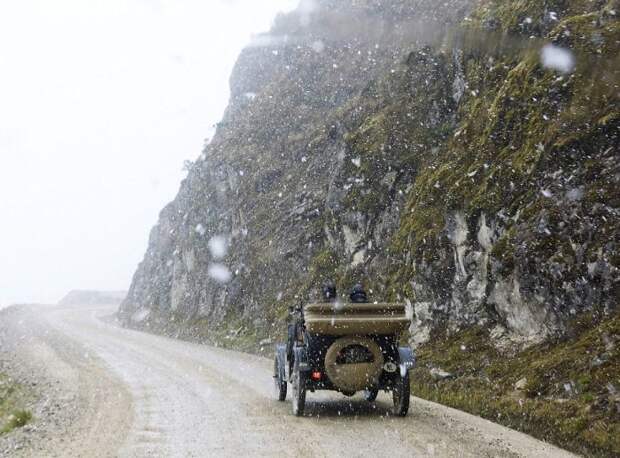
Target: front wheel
{"points": [[400, 394], [279, 383], [299, 392]]}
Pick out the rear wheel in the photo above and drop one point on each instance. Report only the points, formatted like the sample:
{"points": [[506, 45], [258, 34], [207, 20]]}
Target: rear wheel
{"points": [[299, 392], [401, 394], [279, 383], [371, 394]]}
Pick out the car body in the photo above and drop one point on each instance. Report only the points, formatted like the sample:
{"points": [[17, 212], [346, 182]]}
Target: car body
{"points": [[347, 348]]}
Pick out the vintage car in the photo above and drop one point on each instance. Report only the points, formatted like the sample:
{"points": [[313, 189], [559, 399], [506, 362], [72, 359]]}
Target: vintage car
{"points": [[348, 348]]}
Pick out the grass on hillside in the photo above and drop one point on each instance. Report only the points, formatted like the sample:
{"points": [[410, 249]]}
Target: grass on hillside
{"points": [[12, 414], [566, 392]]}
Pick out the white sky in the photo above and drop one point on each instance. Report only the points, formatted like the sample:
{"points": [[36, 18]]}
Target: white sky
{"points": [[100, 104]]}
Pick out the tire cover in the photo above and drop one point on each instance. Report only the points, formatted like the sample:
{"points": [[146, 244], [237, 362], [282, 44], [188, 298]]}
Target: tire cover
{"points": [[355, 376]]}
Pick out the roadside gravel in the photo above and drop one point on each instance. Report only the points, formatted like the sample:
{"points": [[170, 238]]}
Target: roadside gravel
{"points": [[77, 405]]}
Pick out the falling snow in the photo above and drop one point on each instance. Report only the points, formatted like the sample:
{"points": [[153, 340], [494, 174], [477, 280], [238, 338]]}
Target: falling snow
{"points": [[219, 273], [557, 58], [218, 246]]}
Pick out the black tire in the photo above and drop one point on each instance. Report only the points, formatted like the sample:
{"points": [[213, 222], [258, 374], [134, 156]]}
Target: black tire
{"points": [[371, 394], [279, 383], [401, 394], [299, 392]]}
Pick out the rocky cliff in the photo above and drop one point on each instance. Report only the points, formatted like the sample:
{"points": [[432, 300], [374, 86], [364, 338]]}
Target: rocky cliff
{"points": [[461, 156], [282, 183]]}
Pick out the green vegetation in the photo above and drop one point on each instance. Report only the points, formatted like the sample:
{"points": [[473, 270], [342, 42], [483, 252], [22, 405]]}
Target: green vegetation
{"points": [[520, 120], [17, 419], [563, 391], [12, 414]]}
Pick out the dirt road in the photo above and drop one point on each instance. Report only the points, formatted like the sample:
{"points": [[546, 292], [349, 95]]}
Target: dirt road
{"points": [[132, 394]]}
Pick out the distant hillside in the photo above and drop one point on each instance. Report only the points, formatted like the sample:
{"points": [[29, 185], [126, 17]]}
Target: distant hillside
{"points": [[79, 297]]}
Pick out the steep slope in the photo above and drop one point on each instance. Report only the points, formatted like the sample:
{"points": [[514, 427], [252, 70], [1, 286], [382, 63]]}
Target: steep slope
{"points": [[460, 156], [273, 174]]}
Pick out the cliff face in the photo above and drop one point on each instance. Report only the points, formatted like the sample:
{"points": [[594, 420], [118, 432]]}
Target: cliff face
{"points": [[425, 150], [460, 156], [264, 182]]}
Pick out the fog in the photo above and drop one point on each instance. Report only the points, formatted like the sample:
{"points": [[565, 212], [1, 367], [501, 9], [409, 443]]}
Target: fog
{"points": [[101, 103]]}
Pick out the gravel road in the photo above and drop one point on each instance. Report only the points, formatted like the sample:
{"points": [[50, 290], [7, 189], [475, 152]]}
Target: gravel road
{"points": [[102, 390]]}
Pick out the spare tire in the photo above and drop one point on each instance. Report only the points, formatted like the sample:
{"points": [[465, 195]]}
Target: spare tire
{"points": [[354, 363]]}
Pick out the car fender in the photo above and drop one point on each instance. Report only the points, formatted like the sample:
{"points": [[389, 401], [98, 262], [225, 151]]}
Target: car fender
{"points": [[406, 359], [281, 355], [301, 358]]}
